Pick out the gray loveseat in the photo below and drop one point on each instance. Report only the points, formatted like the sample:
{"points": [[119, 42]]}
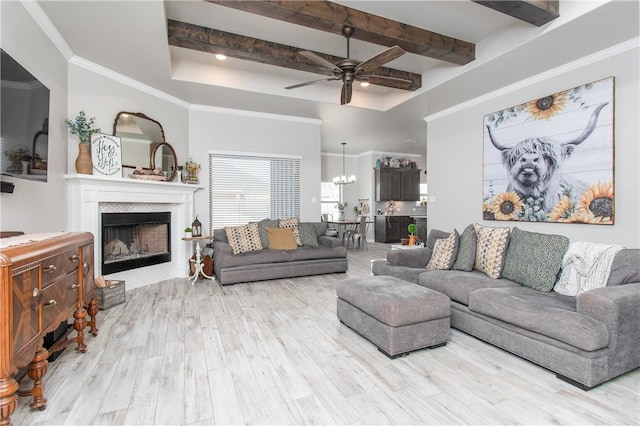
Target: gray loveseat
{"points": [[587, 339], [322, 255]]}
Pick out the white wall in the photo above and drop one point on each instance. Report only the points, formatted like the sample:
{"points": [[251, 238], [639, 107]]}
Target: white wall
{"points": [[455, 142], [217, 129], [37, 206]]}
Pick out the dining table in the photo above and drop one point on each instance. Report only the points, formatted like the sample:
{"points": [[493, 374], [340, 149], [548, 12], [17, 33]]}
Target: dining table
{"points": [[347, 224]]}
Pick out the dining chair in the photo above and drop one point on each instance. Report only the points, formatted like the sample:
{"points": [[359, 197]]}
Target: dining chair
{"points": [[358, 235], [332, 232]]}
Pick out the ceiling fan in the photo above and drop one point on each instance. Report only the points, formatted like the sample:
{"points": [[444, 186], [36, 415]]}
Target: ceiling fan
{"points": [[349, 70]]}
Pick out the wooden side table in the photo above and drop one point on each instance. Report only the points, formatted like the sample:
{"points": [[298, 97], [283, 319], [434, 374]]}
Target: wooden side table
{"points": [[198, 263]]}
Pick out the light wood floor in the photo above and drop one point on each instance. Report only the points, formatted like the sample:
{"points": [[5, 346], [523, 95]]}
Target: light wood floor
{"points": [[275, 353]]}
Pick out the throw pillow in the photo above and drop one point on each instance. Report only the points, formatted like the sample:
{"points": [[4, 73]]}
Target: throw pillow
{"points": [[243, 238], [281, 239], [534, 259], [491, 249], [466, 257], [262, 227], [444, 252], [293, 224], [307, 232], [433, 236]]}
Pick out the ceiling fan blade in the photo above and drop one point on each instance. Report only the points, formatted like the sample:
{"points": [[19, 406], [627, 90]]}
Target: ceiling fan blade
{"points": [[380, 59], [308, 83], [320, 61], [345, 94]]}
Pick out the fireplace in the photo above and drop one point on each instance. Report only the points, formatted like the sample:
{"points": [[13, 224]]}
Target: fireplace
{"points": [[135, 240]]}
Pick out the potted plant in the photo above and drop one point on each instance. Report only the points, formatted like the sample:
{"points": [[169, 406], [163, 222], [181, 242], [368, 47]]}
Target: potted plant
{"points": [[83, 127], [413, 238], [187, 232]]}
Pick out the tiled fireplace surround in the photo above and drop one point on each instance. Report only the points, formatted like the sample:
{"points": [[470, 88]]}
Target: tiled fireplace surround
{"points": [[90, 196]]}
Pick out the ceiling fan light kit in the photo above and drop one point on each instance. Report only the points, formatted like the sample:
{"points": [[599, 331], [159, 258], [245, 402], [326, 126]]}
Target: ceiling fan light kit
{"points": [[349, 70]]}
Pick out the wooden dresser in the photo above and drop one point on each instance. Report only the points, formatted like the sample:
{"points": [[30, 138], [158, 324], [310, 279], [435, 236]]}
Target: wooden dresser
{"points": [[45, 279]]}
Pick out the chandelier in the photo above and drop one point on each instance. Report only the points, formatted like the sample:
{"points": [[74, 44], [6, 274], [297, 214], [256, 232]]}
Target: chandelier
{"points": [[344, 180]]}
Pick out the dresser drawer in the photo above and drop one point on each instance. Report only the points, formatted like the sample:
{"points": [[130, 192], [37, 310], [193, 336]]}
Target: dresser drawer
{"points": [[59, 300], [56, 267]]}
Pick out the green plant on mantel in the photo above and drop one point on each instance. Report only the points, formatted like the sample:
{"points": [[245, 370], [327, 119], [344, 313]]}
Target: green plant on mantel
{"points": [[412, 228], [82, 127]]}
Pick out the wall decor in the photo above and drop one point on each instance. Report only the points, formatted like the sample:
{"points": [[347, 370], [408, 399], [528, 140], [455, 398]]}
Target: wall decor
{"points": [[552, 159], [106, 154]]}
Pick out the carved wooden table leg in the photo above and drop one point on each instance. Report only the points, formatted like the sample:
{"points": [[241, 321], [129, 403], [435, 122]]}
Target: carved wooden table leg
{"points": [[93, 312], [36, 371], [8, 399], [79, 324]]}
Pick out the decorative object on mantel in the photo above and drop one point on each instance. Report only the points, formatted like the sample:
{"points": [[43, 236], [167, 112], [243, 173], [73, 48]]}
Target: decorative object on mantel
{"points": [[188, 232], [396, 162], [196, 228], [140, 173], [179, 179], [84, 129], [106, 154], [192, 170]]}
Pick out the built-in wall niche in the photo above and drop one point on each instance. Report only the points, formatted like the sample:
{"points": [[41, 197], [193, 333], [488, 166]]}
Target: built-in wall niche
{"points": [[24, 133]]}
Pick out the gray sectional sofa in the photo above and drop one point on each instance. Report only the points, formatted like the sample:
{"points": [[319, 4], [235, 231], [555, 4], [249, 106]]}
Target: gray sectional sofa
{"points": [[323, 255], [587, 339]]}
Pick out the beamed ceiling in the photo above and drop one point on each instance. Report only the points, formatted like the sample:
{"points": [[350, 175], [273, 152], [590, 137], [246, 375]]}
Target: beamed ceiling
{"points": [[332, 18], [456, 51]]}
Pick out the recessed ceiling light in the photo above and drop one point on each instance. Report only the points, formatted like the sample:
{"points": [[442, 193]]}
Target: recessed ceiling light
{"points": [[364, 84], [220, 57]]}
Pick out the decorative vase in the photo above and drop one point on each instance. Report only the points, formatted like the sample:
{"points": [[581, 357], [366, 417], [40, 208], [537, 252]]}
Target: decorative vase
{"points": [[340, 214], [412, 240], [84, 165]]}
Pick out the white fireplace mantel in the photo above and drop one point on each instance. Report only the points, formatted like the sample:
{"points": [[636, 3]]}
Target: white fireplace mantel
{"points": [[89, 196]]}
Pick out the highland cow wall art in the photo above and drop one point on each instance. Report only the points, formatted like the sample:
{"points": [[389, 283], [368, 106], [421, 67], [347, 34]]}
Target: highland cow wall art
{"points": [[551, 159]]}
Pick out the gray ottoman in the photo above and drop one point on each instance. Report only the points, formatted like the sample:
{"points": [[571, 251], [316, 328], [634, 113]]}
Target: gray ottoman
{"points": [[395, 315]]}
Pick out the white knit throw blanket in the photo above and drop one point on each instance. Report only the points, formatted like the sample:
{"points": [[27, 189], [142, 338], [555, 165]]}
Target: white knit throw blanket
{"points": [[585, 266]]}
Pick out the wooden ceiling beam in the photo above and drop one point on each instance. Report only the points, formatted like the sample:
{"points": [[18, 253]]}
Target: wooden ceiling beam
{"points": [[332, 17], [213, 41], [536, 12]]}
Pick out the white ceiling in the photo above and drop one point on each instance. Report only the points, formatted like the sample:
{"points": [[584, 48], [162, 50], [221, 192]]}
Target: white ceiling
{"points": [[130, 38]]}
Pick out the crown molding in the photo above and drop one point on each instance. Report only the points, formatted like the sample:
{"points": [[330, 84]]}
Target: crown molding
{"points": [[254, 114], [554, 72]]}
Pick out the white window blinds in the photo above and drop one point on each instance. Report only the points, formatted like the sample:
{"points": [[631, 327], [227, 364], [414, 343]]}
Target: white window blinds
{"points": [[245, 188]]}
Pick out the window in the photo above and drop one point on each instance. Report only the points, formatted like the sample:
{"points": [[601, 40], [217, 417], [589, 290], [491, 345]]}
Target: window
{"points": [[329, 197], [246, 188]]}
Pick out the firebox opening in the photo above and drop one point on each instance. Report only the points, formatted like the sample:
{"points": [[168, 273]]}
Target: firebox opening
{"points": [[134, 240]]}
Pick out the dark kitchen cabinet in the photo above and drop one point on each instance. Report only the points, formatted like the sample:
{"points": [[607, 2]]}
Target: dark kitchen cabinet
{"points": [[398, 184], [391, 229]]}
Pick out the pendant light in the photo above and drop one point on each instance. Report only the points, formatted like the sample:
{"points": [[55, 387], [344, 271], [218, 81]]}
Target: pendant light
{"points": [[344, 180]]}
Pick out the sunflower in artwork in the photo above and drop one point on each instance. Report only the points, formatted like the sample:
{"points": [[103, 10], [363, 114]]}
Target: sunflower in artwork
{"points": [[598, 200], [506, 206], [486, 211], [562, 211], [583, 216], [547, 107]]}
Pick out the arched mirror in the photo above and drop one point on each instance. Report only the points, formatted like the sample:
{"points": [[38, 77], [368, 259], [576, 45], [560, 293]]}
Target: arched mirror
{"points": [[139, 134], [164, 156]]}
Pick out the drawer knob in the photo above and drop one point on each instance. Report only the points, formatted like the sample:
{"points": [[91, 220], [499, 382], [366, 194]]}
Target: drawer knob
{"points": [[37, 296], [75, 258], [51, 302], [74, 287], [50, 269]]}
